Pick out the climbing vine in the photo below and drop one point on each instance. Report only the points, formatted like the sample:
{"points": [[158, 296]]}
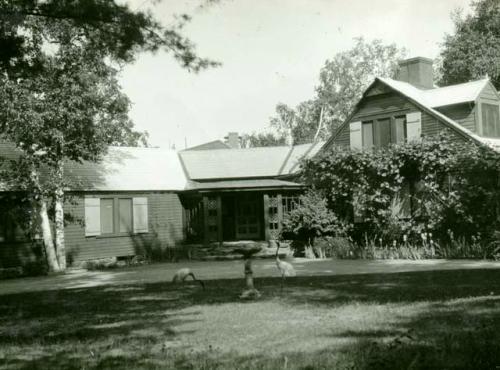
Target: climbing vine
{"points": [[438, 187]]}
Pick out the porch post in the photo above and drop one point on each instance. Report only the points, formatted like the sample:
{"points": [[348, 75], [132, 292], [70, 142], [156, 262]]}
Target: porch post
{"points": [[219, 219], [206, 235], [267, 232], [280, 213]]}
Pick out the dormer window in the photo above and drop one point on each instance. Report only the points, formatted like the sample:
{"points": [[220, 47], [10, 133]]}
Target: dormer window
{"points": [[490, 116]]}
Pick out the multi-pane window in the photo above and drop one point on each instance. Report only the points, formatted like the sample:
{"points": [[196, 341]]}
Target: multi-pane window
{"points": [[289, 203], [491, 119], [382, 132]]}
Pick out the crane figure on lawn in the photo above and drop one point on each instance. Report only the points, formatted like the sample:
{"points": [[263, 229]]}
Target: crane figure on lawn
{"points": [[286, 269], [183, 273]]}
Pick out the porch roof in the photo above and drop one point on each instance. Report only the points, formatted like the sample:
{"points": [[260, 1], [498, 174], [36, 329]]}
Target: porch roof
{"points": [[248, 184], [246, 162]]}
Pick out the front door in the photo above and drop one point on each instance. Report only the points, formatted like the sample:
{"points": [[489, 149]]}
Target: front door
{"points": [[247, 217]]}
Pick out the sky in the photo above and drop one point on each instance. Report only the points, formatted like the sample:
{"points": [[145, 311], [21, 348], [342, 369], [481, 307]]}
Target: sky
{"points": [[271, 51]]}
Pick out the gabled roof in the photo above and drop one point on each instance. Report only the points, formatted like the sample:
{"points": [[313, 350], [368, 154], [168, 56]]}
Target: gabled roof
{"points": [[455, 94], [428, 101], [216, 144], [299, 152], [234, 163], [244, 163], [130, 169], [441, 96], [156, 169], [121, 169], [246, 184], [419, 100]]}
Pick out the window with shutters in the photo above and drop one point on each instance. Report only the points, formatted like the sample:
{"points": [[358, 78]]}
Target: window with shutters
{"points": [[384, 131], [490, 116], [116, 216]]}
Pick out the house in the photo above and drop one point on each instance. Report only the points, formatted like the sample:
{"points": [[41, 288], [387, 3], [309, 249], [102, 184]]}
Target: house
{"points": [[140, 198], [411, 107]]}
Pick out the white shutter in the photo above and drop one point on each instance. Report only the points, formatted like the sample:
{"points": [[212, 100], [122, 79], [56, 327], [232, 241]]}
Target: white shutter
{"points": [[355, 134], [140, 215], [414, 126], [92, 216]]}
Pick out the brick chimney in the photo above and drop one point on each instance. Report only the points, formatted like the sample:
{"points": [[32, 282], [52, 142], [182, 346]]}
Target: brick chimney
{"points": [[417, 71], [233, 140]]}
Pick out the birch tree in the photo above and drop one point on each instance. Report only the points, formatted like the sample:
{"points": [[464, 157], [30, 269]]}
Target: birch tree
{"points": [[342, 81], [60, 96]]}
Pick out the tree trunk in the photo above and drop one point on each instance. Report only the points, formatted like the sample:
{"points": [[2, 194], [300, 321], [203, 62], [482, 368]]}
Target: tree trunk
{"points": [[48, 243], [59, 229], [59, 217]]}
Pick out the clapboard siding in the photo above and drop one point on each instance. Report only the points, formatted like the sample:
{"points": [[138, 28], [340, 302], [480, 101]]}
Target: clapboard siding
{"points": [[488, 93], [392, 105], [373, 106], [431, 126], [464, 114], [343, 138], [165, 219]]}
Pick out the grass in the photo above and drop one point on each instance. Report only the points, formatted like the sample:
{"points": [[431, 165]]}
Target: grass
{"points": [[418, 320]]}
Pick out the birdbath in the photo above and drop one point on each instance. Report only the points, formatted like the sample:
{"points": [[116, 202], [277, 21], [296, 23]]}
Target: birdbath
{"points": [[247, 252]]}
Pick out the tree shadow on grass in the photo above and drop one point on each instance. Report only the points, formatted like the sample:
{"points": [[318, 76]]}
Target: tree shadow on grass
{"points": [[454, 323]]}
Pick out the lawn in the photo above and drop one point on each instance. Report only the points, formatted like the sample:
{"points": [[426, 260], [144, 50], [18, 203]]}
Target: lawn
{"points": [[429, 319]]}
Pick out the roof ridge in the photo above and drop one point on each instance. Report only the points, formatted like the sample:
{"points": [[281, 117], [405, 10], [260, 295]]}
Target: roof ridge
{"points": [[141, 147], [257, 148], [287, 158]]}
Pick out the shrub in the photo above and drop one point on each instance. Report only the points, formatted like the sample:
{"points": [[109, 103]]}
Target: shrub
{"points": [[336, 246], [312, 219]]}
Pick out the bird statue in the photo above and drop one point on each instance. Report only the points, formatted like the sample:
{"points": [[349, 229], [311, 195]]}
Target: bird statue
{"points": [[182, 274], [286, 269]]}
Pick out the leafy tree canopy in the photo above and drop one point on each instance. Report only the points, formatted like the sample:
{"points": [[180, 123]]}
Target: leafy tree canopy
{"points": [[59, 88], [60, 95], [473, 51], [261, 139], [115, 30], [342, 81]]}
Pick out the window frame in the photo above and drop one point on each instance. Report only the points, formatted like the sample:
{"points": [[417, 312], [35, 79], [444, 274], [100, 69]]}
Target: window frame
{"points": [[131, 210], [113, 216], [482, 124], [116, 216], [374, 122]]}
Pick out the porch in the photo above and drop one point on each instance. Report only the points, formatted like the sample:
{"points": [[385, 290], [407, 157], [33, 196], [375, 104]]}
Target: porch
{"points": [[237, 214]]}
